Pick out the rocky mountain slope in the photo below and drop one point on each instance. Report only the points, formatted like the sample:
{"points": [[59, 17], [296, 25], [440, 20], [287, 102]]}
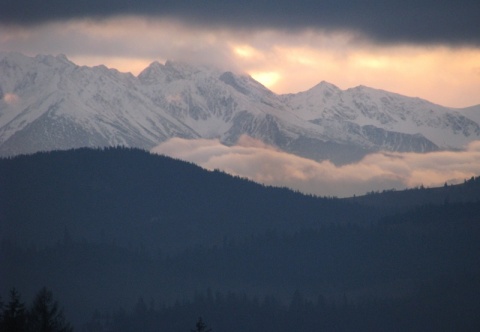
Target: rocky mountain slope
{"points": [[48, 103]]}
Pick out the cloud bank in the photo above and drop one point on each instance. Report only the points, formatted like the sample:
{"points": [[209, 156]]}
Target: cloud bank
{"points": [[284, 61], [385, 21], [380, 171]]}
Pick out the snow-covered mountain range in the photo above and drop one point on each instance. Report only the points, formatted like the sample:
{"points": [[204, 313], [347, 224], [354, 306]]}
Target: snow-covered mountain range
{"points": [[47, 103]]}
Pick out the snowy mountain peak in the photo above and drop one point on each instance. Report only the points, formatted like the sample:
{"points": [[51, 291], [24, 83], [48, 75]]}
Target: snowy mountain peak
{"points": [[181, 70], [48, 102], [238, 83], [324, 86], [51, 60], [172, 71], [153, 73]]}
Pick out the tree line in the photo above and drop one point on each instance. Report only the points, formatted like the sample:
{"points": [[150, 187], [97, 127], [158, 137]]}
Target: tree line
{"points": [[43, 315], [377, 261], [444, 304]]}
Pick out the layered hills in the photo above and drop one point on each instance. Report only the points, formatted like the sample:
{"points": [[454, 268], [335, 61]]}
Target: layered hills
{"points": [[105, 228]]}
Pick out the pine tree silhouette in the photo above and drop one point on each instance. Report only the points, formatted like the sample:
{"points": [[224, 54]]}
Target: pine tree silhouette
{"points": [[45, 314], [201, 326], [14, 316]]}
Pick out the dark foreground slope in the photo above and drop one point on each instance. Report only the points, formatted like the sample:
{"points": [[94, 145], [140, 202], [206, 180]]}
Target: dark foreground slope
{"points": [[392, 200], [103, 229], [131, 197]]}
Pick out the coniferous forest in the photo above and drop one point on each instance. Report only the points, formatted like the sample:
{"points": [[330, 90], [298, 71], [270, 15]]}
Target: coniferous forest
{"points": [[122, 240]]}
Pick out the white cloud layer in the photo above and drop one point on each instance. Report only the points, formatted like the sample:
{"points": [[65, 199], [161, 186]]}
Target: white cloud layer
{"points": [[380, 171]]}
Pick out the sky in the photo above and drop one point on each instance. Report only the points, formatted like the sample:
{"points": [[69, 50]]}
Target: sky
{"points": [[420, 48]]}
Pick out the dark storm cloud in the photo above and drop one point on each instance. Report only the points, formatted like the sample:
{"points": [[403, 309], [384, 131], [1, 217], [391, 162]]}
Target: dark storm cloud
{"points": [[387, 21]]}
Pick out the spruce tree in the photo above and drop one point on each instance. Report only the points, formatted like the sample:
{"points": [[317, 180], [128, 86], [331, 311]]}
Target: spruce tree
{"points": [[45, 314], [14, 317]]}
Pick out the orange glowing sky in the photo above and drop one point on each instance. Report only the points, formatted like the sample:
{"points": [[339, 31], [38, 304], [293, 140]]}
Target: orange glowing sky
{"points": [[284, 61]]}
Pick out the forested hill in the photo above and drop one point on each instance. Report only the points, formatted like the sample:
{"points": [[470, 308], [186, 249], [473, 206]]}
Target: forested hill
{"points": [[131, 197], [105, 229], [392, 200]]}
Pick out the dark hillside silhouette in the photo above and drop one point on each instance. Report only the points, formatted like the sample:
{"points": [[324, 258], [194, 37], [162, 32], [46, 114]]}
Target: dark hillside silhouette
{"points": [[105, 229], [468, 191], [132, 197], [390, 260], [444, 305]]}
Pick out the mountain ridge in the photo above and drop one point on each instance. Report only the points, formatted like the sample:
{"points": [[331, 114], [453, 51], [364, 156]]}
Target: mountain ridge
{"points": [[48, 102]]}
